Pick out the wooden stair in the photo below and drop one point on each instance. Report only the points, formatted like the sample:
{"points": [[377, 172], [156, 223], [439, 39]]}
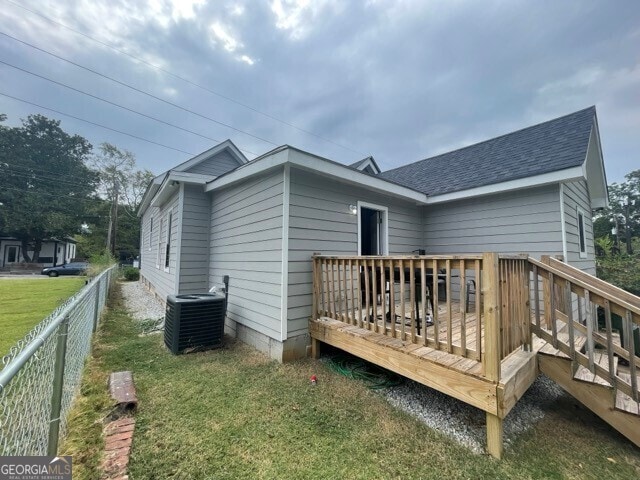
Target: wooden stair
{"points": [[596, 393], [623, 401]]}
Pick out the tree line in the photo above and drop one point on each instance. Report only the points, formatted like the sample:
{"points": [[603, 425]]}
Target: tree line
{"points": [[617, 235], [56, 185]]}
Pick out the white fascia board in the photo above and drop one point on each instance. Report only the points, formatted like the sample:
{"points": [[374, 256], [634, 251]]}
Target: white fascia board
{"points": [[318, 166], [187, 177], [369, 162], [559, 176], [601, 201], [168, 187], [152, 189]]}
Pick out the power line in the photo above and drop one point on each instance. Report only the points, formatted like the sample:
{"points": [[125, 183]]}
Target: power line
{"points": [[155, 97], [75, 199], [159, 120], [96, 124], [186, 80], [34, 170], [40, 177]]}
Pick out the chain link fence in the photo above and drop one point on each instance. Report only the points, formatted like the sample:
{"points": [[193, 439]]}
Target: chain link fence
{"points": [[41, 375]]}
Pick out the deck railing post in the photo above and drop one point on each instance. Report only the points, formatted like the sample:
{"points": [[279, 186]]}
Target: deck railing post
{"points": [[492, 343], [546, 294], [314, 264], [492, 317]]}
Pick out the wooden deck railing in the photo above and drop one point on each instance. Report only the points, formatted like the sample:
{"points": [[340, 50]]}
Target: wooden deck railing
{"points": [[474, 306], [571, 306], [515, 302]]}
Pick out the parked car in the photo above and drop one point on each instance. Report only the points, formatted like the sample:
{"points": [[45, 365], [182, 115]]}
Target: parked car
{"points": [[75, 268]]}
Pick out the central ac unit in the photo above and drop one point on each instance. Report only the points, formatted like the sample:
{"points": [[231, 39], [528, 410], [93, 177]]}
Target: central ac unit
{"points": [[194, 322]]}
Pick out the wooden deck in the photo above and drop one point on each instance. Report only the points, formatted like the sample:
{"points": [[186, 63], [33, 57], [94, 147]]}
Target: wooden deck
{"points": [[459, 377], [526, 316]]}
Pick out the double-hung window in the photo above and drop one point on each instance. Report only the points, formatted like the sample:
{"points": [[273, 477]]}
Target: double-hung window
{"points": [[582, 240], [167, 247]]}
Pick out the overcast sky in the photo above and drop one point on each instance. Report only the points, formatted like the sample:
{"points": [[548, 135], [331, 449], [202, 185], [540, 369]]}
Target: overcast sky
{"points": [[400, 81]]}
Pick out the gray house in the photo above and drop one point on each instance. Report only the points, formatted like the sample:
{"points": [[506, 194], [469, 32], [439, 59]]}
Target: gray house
{"points": [[260, 221]]}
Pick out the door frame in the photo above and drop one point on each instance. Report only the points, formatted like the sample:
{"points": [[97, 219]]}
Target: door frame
{"points": [[5, 255], [385, 226]]}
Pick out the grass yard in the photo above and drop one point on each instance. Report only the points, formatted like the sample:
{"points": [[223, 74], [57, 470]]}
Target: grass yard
{"points": [[25, 302], [233, 414]]}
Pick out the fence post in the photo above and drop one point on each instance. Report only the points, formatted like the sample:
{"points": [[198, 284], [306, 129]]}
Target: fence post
{"points": [[96, 306], [58, 385]]}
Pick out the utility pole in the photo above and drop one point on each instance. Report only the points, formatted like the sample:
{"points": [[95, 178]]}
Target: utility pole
{"points": [[627, 226], [115, 217]]}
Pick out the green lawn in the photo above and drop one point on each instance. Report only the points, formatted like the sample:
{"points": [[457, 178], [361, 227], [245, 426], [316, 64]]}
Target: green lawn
{"points": [[25, 302], [233, 414]]}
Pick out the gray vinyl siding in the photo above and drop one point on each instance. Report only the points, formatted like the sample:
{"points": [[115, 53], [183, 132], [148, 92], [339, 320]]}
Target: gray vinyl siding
{"points": [[194, 247], [246, 244], [162, 281], [576, 194], [320, 221], [217, 165], [523, 221]]}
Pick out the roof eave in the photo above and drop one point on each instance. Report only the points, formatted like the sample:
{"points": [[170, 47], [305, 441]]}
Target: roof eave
{"points": [[558, 176], [174, 179], [307, 161]]}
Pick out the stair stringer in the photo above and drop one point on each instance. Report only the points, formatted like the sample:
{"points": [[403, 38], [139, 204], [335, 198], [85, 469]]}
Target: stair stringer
{"points": [[598, 398]]}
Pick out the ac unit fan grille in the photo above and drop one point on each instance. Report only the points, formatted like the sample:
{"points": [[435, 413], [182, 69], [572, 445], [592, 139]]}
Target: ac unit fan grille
{"points": [[194, 323]]}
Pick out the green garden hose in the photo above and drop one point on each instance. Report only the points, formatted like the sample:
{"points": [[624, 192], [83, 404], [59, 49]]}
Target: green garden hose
{"points": [[374, 377]]}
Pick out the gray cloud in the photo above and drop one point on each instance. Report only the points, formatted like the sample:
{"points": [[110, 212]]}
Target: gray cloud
{"points": [[401, 81]]}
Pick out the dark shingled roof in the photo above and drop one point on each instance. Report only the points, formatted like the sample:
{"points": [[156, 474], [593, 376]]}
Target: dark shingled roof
{"points": [[547, 147]]}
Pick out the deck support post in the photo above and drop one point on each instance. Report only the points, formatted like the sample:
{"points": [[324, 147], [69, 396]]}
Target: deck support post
{"points": [[492, 317], [494, 435], [315, 348]]}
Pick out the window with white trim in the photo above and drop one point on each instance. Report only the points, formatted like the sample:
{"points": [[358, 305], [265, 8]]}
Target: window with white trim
{"points": [[582, 239], [168, 244], [150, 233], [159, 253]]}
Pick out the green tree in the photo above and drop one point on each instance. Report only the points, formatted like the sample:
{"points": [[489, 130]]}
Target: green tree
{"points": [[602, 227], [45, 184], [624, 209], [123, 186]]}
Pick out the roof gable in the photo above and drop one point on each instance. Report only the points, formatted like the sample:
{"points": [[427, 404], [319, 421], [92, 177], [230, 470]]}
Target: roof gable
{"points": [[367, 165], [227, 151], [551, 146]]}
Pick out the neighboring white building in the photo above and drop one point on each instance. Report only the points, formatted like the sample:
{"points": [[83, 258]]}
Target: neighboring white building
{"points": [[53, 252]]}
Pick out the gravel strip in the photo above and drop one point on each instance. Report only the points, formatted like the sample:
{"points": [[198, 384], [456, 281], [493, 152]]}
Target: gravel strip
{"points": [[466, 424], [141, 304]]}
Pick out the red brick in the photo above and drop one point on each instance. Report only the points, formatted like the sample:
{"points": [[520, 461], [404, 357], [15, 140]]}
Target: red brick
{"points": [[120, 429], [120, 423], [119, 436], [118, 439], [116, 445]]}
